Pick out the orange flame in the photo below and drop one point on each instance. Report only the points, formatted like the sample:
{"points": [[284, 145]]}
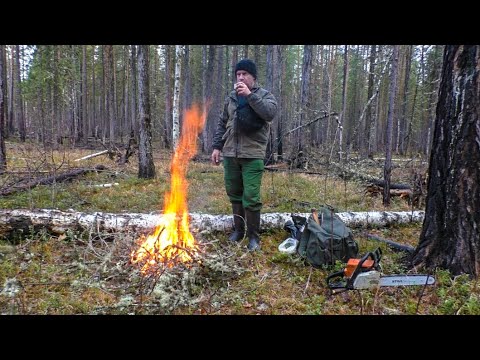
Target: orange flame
{"points": [[172, 241]]}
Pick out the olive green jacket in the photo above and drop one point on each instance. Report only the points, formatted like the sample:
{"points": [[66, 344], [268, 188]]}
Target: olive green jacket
{"points": [[234, 143]]}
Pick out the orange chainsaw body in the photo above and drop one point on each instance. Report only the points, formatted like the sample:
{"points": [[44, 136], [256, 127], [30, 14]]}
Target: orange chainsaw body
{"points": [[353, 263]]}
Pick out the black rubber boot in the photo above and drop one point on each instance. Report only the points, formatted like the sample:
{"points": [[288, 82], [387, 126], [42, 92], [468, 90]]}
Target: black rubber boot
{"points": [[239, 223], [253, 229]]}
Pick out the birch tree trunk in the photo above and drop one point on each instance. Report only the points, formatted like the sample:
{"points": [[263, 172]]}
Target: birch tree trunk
{"points": [[176, 96]]}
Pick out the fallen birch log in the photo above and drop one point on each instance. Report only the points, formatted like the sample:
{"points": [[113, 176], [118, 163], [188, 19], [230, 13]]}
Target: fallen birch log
{"points": [[56, 221], [105, 185], [93, 155]]}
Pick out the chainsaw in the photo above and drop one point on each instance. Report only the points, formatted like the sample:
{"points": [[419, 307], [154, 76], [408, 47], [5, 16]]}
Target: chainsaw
{"points": [[365, 273]]}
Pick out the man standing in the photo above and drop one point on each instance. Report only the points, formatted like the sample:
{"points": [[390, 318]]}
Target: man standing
{"points": [[242, 135]]}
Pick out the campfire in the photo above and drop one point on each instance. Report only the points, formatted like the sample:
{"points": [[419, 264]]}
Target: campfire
{"points": [[172, 241]]}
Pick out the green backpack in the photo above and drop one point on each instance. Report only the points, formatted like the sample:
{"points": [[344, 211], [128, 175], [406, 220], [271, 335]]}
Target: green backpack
{"points": [[324, 243]]}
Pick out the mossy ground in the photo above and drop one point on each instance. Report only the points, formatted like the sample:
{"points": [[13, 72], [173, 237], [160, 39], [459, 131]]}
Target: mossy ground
{"points": [[90, 273]]}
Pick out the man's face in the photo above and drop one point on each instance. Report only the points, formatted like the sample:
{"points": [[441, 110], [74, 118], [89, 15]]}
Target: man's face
{"points": [[246, 78]]}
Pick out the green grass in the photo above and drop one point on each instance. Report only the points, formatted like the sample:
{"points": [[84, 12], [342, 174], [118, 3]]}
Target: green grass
{"points": [[281, 191]]}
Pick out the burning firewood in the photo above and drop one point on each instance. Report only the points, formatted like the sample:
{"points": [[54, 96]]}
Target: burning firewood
{"points": [[172, 240]]}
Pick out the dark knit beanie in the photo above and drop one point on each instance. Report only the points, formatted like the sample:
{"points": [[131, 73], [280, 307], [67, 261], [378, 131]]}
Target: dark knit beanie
{"points": [[247, 65]]}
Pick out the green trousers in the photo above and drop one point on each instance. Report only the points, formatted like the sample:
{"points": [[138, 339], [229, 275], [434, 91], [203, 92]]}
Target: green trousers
{"points": [[243, 178]]}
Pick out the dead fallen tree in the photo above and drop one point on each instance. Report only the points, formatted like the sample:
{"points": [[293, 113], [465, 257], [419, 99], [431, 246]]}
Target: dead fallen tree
{"points": [[55, 221], [348, 173], [122, 158], [381, 183], [375, 190], [28, 184]]}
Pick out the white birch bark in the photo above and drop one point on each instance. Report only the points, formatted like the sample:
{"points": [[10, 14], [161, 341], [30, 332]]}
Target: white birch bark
{"points": [[92, 155], [176, 96], [58, 221]]}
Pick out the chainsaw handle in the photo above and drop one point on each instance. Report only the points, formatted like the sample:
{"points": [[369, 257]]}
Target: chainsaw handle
{"points": [[337, 285], [335, 275], [364, 258]]}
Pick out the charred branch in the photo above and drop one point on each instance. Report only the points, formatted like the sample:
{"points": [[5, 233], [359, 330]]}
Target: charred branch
{"points": [[392, 244]]}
